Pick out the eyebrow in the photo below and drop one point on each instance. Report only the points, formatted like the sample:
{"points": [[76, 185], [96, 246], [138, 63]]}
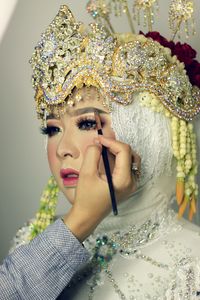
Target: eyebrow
{"points": [[80, 111]]}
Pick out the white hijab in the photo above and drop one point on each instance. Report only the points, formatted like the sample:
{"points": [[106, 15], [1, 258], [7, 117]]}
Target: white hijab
{"points": [[149, 134]]}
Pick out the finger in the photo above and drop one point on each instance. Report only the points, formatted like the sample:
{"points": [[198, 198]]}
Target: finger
{"points": [[123, 154], [91, 160], [113, 145], [116, 145]]}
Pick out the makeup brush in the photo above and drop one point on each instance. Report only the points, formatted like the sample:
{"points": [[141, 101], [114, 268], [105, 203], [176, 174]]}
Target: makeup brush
{"points": [[107, 166]]}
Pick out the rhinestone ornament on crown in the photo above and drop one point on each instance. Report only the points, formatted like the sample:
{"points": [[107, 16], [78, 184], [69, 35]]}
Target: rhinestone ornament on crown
{"points": [[70, 56]]}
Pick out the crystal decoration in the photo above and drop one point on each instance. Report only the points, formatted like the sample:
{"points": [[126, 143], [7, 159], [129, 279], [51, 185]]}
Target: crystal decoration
{"points": [[181, 11]]}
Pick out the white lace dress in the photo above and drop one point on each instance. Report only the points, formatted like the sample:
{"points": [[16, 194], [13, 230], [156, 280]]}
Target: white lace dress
{"points": [[144, 253]]}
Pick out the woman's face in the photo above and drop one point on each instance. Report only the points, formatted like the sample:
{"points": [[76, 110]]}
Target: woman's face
{"points": [[69, 137]]}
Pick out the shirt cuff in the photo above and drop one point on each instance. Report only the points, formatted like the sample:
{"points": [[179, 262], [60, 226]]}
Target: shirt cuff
{"points": [[66, 244]]}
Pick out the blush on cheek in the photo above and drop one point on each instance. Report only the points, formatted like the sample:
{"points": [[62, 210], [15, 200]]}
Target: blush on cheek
{"points": [[87, 141]]}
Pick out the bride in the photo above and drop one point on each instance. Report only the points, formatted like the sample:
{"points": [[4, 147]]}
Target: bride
{"points": [[145, 102]]}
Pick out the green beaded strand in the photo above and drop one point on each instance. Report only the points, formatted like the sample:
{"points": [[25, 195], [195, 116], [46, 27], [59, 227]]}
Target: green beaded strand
{"points": [[46, 212]]}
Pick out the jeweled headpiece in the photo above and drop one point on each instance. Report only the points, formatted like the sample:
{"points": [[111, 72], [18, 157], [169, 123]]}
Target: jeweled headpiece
{"points": [[69, 56]]}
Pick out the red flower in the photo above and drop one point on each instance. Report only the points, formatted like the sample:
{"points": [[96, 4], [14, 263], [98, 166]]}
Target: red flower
{"points": [[197, 80], [184, 52], [156, 36], [194, 70]]}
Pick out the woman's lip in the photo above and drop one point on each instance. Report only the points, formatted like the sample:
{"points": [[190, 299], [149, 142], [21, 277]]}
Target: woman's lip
{"points": [[69, 181], [65, 172]]}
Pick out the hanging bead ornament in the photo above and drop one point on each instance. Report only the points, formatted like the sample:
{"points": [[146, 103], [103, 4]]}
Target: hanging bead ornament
{"points": [[120, 7], [100, 11], [78, 97], [183, 144], [46, 212], [184, 150], [181, 11], [71, 101], [147, 6]]}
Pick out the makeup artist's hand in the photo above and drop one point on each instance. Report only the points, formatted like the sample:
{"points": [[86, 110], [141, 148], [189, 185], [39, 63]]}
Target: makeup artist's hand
{"points": [[92, 202]]}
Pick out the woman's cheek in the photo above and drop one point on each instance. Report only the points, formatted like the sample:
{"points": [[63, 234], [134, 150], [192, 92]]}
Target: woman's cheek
{"points": [[51, 154], [85, 142]]}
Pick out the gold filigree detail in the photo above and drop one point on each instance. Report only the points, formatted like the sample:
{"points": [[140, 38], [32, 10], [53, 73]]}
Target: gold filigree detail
{"points": [[118, 65]]}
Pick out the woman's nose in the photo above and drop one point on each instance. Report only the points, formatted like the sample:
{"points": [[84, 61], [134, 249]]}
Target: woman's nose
{"points": [[66, 146]]}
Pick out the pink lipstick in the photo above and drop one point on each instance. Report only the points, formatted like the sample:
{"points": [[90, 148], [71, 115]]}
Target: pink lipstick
{"points": [[69, 177]]}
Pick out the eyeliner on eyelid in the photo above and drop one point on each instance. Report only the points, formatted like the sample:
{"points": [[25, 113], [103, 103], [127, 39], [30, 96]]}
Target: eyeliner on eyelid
{"points": [[84, 123]]}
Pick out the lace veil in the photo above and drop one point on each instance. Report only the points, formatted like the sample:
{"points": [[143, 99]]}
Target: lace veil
{"points": [[149, 134]]}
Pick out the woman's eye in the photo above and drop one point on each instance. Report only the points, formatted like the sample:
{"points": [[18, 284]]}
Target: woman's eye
{"points": [[86, 124], [50, 130]]}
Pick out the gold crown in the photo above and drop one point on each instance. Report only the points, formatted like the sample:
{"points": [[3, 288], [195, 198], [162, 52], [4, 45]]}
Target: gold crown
{"points": [[69, 56]]}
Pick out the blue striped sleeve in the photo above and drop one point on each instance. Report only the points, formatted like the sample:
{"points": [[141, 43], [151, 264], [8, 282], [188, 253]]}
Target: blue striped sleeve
{"points": [[42, 268]]}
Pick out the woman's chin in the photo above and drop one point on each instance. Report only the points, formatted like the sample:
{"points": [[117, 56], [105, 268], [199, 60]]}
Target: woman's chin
{"points": [[69, 194]]}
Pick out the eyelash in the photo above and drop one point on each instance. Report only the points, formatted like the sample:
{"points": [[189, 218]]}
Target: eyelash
{"points": [[50, 130], [84, 123]]}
